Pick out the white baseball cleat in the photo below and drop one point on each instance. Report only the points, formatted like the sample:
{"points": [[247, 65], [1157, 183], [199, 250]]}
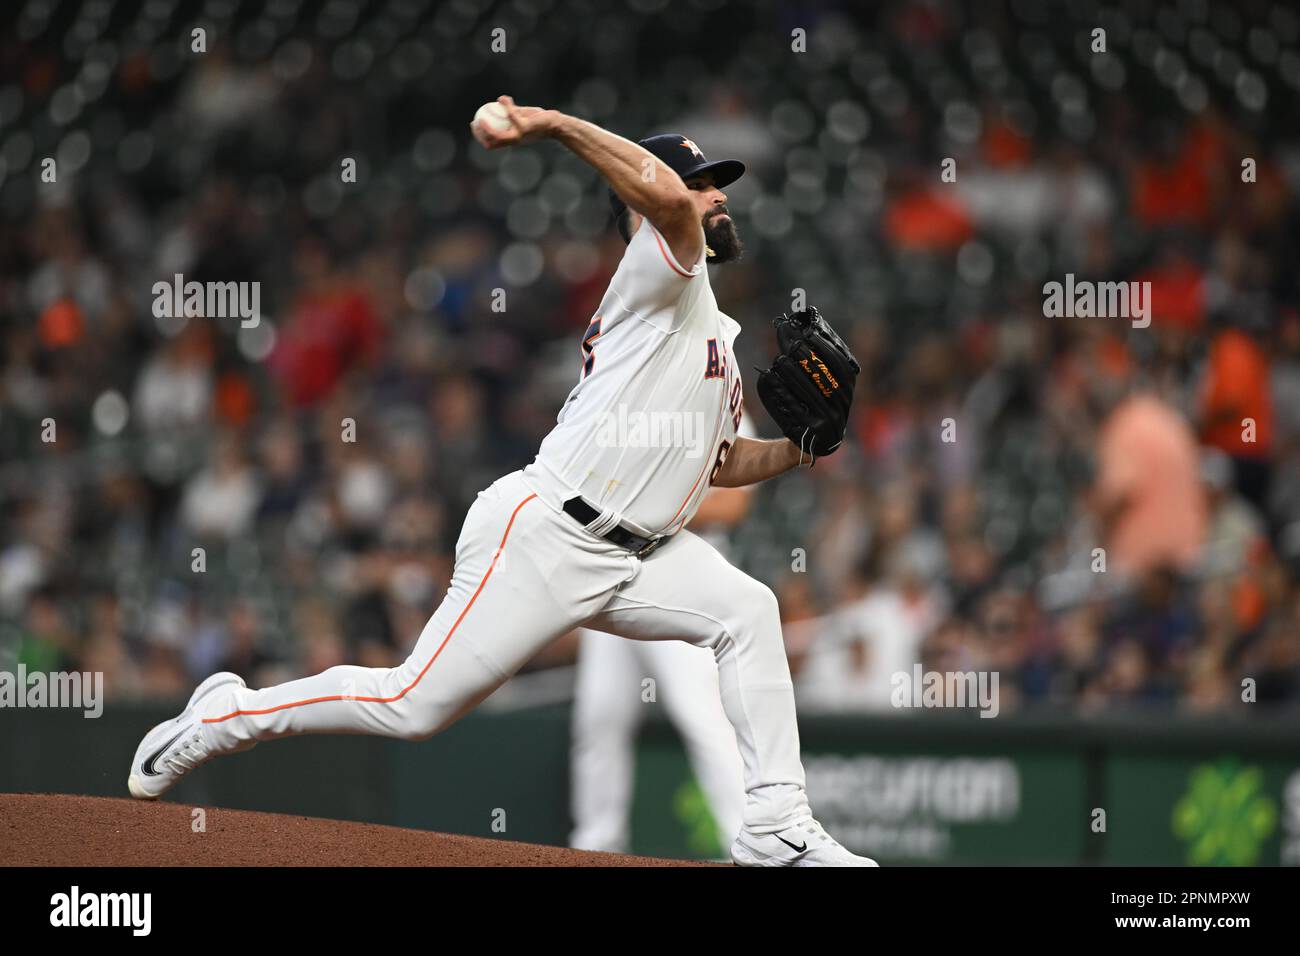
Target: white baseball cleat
{"points": [[803, 843], [174, 747]]}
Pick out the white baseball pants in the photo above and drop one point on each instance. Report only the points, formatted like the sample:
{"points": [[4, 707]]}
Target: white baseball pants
{"points": [[525, 574]]}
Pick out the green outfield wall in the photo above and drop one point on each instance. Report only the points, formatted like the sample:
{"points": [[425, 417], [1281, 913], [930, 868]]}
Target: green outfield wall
{"points": [[928, 790]]}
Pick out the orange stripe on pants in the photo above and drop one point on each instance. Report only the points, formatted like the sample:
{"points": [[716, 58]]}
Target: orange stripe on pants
{"points": [[405, 690]]}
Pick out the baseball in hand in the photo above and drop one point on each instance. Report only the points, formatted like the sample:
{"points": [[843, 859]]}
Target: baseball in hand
{"points": [[493, 116]]}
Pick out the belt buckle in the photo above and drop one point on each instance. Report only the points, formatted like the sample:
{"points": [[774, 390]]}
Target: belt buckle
{"points": [[649, 546]]}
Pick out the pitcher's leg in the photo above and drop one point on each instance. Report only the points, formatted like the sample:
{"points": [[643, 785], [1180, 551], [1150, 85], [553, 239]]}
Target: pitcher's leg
{"points": [[687, 591], [606, 711], [434, 687], [506, 601]]}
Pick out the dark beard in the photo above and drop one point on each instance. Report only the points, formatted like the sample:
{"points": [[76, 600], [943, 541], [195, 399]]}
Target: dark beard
{"points": [[721, 237]]}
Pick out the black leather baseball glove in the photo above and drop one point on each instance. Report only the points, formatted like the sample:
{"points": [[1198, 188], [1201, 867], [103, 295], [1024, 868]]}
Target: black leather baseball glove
{"points": [[809, 388]]}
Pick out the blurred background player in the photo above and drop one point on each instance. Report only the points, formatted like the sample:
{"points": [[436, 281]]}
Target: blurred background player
{"points": [[610, 702]]}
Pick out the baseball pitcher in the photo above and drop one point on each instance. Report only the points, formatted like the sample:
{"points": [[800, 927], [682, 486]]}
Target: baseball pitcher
{"points": [[591, 532]]}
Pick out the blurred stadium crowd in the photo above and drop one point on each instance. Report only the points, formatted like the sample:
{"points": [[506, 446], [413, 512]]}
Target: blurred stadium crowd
{"points": [[993, 451]]}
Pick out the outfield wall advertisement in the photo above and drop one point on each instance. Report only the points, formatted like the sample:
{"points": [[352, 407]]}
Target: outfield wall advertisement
{"points": [[912, 790], [942, 791]]}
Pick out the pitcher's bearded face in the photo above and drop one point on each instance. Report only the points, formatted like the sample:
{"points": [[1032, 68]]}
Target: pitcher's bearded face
{"points": [[720, 236]]}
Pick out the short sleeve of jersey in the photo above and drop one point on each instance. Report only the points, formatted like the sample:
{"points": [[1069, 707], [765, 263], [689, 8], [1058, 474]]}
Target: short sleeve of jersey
{"points": [[650, 280]]}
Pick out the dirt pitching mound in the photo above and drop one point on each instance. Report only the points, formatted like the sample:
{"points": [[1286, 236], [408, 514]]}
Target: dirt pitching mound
{"points": [[61, 830]]}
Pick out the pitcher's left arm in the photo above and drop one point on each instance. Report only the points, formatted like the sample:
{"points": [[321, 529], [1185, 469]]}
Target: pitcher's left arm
{"points": [[751, 460]]}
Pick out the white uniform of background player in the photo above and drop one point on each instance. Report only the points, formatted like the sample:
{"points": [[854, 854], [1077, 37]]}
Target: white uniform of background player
{"points": [[609, 705], [526, 571]]}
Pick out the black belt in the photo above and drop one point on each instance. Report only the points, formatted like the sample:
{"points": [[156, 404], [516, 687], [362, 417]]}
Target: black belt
{"points": [[585, 514]]}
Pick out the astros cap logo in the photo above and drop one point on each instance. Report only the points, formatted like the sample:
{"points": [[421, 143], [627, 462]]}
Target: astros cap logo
{"points": [[688, 144]]}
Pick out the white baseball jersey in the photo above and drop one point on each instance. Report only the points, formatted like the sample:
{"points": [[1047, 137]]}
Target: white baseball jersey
{"points": [[658, 400]]}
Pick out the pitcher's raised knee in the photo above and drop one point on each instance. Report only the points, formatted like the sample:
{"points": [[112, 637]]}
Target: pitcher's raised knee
{"points": [[419, 720]]}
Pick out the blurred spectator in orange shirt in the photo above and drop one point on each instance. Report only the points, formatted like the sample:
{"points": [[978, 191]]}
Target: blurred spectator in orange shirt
{"points": [[1148, 496], [1236, 409], [923, 218]]}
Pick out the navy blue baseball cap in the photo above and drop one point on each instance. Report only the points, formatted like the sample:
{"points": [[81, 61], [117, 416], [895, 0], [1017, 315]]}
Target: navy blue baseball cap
{"points": [[686, 159]]}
